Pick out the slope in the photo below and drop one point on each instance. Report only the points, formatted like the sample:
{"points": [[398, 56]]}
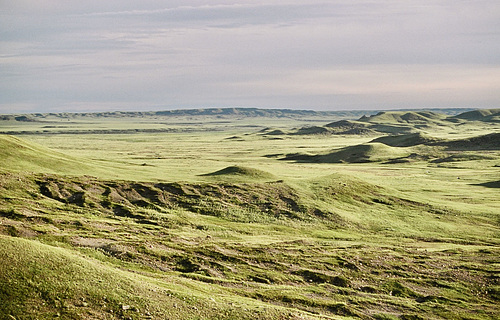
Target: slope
{"points": [[334, 247], [240, 174], [362, 153], [43, 281], [484, 142], [406, 140], [20, 155], [411, 117], [487, 115]]}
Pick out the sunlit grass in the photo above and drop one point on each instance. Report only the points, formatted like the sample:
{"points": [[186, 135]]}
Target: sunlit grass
{"points": [[261, 238]]}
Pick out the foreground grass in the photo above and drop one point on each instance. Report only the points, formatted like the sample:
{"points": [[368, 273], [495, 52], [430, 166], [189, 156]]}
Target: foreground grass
{"points": [[133, 250]]}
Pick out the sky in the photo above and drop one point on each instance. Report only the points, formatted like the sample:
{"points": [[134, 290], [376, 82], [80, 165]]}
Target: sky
{"points": [[144, 55]]}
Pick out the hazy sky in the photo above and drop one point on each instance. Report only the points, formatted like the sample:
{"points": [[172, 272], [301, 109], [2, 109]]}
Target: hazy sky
{"points": [[325, 55]]}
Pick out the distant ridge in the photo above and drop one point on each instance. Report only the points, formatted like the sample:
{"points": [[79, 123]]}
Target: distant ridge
{"points": [[405, 117], [218, 112], [236, 111]]}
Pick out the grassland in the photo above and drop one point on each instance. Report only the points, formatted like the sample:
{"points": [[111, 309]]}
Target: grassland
{"points": [[250, 217]]}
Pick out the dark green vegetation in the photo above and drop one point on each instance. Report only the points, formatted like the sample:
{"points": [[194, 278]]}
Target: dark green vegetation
{"points": [[210, 225]]}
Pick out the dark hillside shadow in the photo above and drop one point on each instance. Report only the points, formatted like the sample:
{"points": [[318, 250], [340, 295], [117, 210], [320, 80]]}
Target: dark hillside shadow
{"points": [[491, 184]]}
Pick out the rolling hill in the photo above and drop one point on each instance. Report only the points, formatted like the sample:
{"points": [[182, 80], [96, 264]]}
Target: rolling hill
{"points": [[21, 155], [369, 152], [424, 117], [407, 140], [487, 115]]}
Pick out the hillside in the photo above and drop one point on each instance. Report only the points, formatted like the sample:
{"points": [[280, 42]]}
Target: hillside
{"points": [[487, 115], [369, 152], [96, 249], [398, 149], [20, 155], [484, 142], [415, 117], [406, 140]]}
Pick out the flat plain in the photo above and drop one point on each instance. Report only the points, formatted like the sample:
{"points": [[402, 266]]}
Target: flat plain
{"points": [[250, 214]]}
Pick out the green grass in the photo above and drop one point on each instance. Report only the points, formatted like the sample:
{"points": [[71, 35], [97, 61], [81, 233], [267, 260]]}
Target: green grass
{"points": [[203, 225], [240, 174]]}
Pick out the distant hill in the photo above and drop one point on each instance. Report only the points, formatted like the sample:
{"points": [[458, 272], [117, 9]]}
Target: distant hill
{"points": [[217, 112], [420, 117], [400, 122], [368, 152], [487, 115], [406, 140], [398, 149], [214, 112], [485, 142], [242, 173], [344, 125]]}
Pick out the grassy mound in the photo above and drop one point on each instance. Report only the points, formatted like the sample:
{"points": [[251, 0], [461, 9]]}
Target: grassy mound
{"points": [[349, 127], [369, 152], [339, 127], [275, 132], [241, 172], [20, 155], [312, 130], [406, 140], [346, 125]]}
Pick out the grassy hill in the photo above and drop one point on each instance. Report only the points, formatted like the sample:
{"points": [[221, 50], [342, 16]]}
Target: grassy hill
{"points": [[419, 117], [94, 249], [484, 142], [403, 122], [368, 152], [208, 224], [406, 148], [240, 174], [363, 153], [487, 115], [20, 155], [406, 140], [45, 282]]}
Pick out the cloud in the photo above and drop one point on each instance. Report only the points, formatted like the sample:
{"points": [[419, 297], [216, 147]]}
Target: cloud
{"points": [[266, 53]]}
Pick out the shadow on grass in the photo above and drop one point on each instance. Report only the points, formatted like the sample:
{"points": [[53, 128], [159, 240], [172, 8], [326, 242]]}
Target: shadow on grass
{"points": [[491, 184]]}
